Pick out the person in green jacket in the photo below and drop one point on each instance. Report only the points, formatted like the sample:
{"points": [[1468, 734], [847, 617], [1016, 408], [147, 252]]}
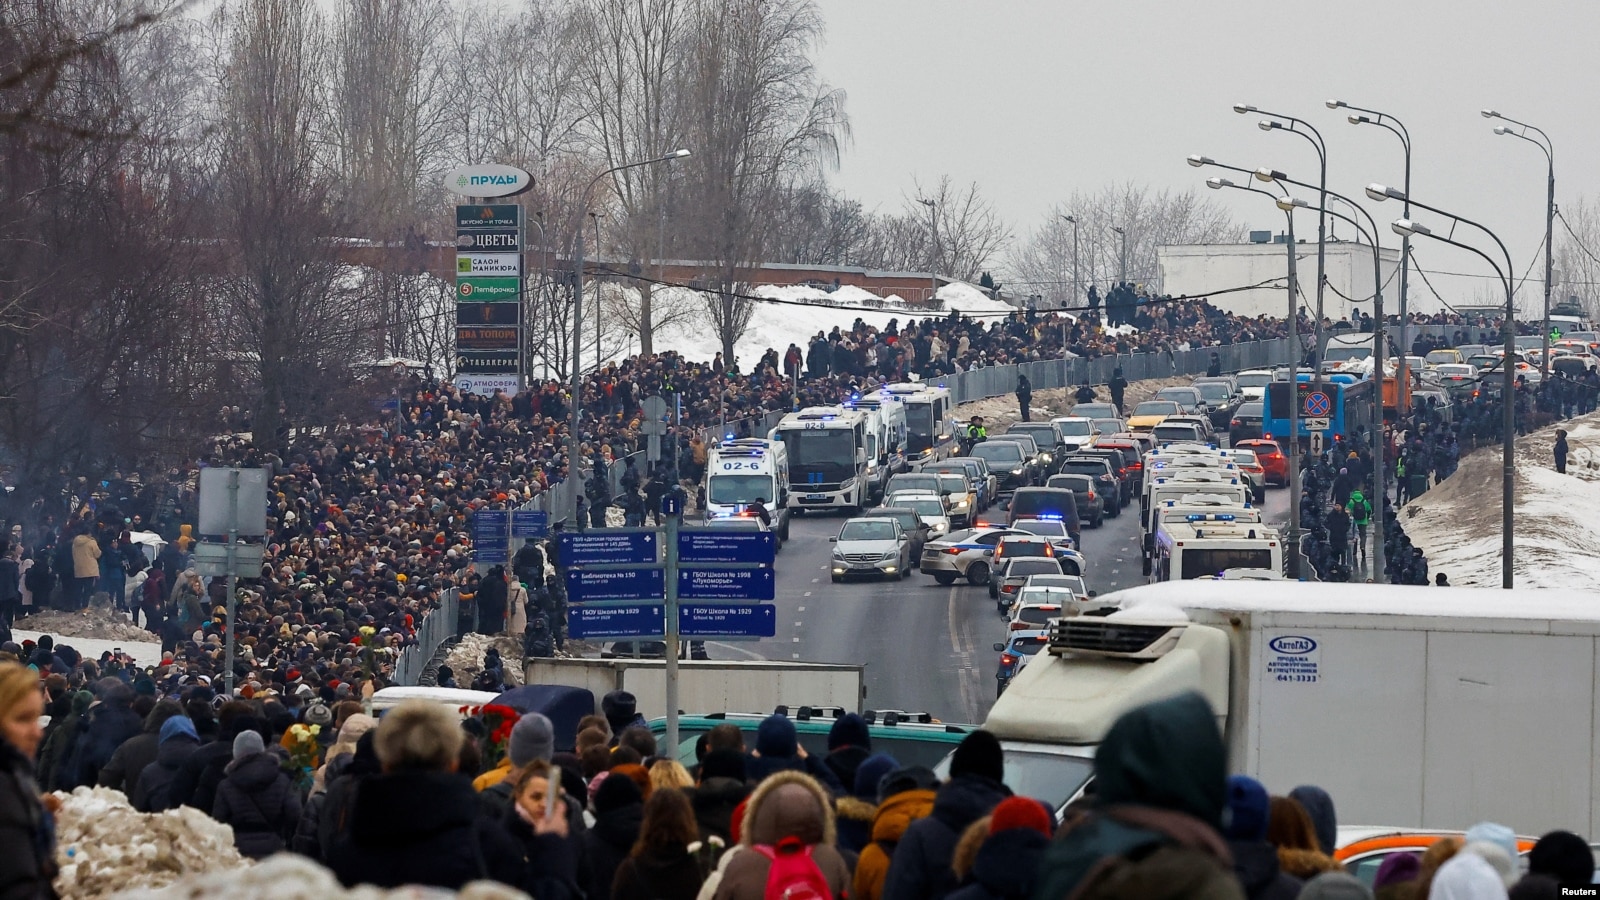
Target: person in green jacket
{"points": [[1360, 516]]}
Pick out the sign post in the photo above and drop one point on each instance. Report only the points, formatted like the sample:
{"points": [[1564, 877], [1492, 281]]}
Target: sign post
{"points": [[220, 552], [489, 245]]}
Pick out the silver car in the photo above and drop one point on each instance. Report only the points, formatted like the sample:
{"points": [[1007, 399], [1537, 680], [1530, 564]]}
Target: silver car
{"points": [[877, 548]]}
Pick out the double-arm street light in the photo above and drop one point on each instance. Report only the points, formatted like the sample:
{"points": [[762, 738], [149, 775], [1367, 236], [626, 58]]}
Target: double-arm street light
{"points": [[1543, 143], [1217, 184], [1277, 122], [1360, 116], [577, 321], [1507, 392], [933, 264]]}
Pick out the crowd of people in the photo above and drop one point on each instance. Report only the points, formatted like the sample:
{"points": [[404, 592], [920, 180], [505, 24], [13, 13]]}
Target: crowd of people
{"points": [[425, 797]]}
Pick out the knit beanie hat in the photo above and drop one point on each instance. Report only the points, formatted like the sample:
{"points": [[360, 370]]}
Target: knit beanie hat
{"points": [[869, 773], [1397, 868], [979, 753], [775, 737], [723, 764], [1020, 812], [247, 743], [1247, 810], [1335, 886], [849, 730], [1563, 856], [533, 737], [176, 726], [616, 792], [1497, 834]]}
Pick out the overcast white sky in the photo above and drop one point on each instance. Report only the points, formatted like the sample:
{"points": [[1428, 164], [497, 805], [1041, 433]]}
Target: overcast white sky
{"points": [[1035, 98]]}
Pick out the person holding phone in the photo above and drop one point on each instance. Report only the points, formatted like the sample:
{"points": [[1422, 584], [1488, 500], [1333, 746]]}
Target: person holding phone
{"points": [[538, 822]]}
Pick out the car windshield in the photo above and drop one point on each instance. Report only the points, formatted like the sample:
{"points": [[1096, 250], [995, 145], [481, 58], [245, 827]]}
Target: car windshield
{"points": [[1021, 568], [1251, 409], [1004, 452], [1042, 528], [1156, 408], [1080, 428], [904, 515], [1245, 457], [1176, 433], [955, 484], [1265, 448], [1253, 379], [1084, 467], [1178, 395], [1051, 778], [1028, 548], [1213, 390], [1038, 615], [867, 531], [1033, 643], [731, 489], [929, 508], [1044, 435], [1080, 483]]}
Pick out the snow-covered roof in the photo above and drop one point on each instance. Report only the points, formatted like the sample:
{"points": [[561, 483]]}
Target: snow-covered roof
{"points": [[1529, 604]]}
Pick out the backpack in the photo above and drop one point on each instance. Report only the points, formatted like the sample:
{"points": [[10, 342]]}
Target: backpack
{"points": [[792, 873]]}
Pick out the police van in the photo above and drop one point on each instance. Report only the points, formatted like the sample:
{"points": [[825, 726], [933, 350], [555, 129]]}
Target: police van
{"points": [[827, 453], [886, 437], [930, 433], [1194, 545], [739, 472]]}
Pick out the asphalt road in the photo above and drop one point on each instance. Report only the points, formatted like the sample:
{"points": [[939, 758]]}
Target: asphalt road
{"points": [[927, 648]]}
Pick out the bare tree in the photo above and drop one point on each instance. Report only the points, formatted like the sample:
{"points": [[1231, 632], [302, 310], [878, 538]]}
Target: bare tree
{"points": [[1044, 263], [1578, 255], [762, 122], [965, 230], [820, 227]]}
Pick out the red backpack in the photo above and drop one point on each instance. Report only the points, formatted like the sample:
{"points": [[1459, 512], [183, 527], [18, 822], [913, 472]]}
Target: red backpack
{"points": [[793, 874]]}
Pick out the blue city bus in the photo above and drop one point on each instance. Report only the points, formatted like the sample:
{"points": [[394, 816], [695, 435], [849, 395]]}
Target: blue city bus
{"points": [[1349, 406]]}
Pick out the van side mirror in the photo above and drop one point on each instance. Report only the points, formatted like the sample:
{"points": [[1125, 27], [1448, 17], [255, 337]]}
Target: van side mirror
{"points": [[833, 540], [1094, 593]]}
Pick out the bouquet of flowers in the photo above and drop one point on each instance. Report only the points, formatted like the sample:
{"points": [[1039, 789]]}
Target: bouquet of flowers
{"points": [[497, 721], [304, 744]]}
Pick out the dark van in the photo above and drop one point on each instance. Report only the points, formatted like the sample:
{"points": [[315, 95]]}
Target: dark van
{"points": [[1044, 503]]}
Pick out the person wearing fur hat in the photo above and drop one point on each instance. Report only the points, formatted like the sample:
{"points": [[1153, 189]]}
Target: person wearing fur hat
{"points": [[1255, 861], [786, 807], [1007, 862], [857, 809], [904, 796], [257, 798], [920, 869]]}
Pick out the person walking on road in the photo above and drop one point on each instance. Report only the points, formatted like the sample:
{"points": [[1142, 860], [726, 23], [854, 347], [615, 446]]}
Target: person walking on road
{"points": [[1024, 395], [1360, 516], [1119, 387], [1338, 525], [1561, 448]]}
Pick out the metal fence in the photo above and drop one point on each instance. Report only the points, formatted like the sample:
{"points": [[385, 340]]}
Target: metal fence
{"points": [[996, 381], [437, 626]]}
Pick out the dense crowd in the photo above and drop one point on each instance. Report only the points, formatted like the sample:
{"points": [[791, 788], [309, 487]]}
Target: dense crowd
{"points": [[425, 797]]}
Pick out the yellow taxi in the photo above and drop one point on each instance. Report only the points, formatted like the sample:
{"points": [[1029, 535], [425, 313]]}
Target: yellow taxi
{"points": [[1151, 413]]}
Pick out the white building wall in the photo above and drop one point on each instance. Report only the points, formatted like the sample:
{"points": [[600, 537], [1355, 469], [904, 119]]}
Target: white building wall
{"points": [[1202, 270]]}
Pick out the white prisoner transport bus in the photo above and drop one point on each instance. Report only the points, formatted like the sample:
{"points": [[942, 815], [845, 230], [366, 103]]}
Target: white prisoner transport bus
{"points": [[1427, 708], [827, 451], [930, 434], [886, 438], [1191, 545], [741, 471]]}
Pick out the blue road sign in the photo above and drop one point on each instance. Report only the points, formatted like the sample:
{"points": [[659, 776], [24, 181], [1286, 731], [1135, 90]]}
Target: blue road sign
{"points": [[607, 547], [530, 523], [671, 504], [726, 584], [490, 532], [585, 585], [1317, 404], [714, 545], [617, 622], [696, 620]]}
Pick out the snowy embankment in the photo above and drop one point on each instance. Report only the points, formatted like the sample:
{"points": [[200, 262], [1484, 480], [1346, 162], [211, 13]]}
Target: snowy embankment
{"points": [[1557, 517], [807, 311]]}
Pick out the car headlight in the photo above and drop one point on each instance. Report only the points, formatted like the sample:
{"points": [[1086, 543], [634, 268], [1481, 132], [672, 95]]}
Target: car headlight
{"points": [[838, 557], [1017, 471], [1044, 457], [891, 556]]}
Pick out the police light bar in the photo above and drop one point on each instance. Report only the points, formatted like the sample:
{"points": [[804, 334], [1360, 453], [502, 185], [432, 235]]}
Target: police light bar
{"points": [[1210, 517], [1048, 517]]}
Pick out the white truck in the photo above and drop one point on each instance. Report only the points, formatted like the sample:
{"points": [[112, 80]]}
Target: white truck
{"points": [[1413, 708], [827, 450], [739, 472], [886, 437], [710, 685]]}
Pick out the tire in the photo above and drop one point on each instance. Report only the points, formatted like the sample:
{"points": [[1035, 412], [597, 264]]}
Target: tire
{"points": [[1099, 521], [783, 533], [994, 590], [837, 579], [945, 578], [999, 689], [978, 574], [905, 573]]}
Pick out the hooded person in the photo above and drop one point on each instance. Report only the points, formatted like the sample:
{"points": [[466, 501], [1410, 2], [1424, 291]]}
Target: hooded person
{"points": [[1255, 862], [61, 737], [778, 750], [1289, 828], [1007, 864], [920, 868], [1564, 858], [857, 809], [788, 812], [257, 798], [1467, 876], [177, 742], [618, 816], [904, 796], [110, 722], [849, 744], [122, 772], [1161, 786], [1319, 806]]}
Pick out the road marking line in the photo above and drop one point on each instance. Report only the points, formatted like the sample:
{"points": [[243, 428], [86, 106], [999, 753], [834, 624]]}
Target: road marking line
{"points": [[796, 656], [797, 624], [806, 594], [797, 640], [800, 608], [815, 580]]}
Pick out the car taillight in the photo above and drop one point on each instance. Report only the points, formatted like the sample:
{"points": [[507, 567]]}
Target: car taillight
{"points": [[953, 551], [1008, 589], [1018, 625], [1235, 423], [1091, 495], [1138, 465], [1008, 659]]}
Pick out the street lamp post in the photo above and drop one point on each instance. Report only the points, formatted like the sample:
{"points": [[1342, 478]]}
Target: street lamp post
{"points": [[1315, 137], [1360, 116], [1122, 269], [1294, 360], [1544, 143], [1077, 292], [933, 265], [577, 325], [1507, 392]]}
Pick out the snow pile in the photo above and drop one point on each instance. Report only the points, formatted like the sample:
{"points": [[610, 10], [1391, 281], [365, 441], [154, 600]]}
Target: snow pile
{"points": [[145, 652], [288, 876], [466, 657], [1457, 523], [104, 846], [91, 623]]}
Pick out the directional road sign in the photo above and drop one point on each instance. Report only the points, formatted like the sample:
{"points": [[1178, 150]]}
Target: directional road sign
{"points": [[1317, 424], [713, 545], [729, 622], [726, 584], [1318, 404], [1316, 443], [585, 585], [529, 523], [646, 621], [490, 532], [608, 547]]}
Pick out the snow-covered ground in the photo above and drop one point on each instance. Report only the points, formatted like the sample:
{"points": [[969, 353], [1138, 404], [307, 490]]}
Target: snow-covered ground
{"points": [[1457, 523], [145, 653], [809, 311]]}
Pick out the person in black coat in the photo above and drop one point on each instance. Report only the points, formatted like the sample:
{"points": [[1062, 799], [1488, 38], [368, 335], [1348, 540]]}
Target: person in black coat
{"points": [[27, 836], [493, 595], [720, 791], [551, 849], [129, 761], [418, 822], [1561, 451], [110, 722], [618, 816], [778, 749], [178, 742], [849, 745], [257, 798], [661, 866], [337, 808], [196, 784], [920, 869], [1007, 864], [1255, 862]]}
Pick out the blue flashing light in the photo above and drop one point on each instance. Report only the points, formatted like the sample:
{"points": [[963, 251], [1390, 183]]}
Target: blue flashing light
{"points": [[1049, 517], [856, 396], [728, 436]]}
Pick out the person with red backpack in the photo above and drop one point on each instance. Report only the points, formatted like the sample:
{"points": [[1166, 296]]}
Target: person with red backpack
{"points": [[786, 845]]}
